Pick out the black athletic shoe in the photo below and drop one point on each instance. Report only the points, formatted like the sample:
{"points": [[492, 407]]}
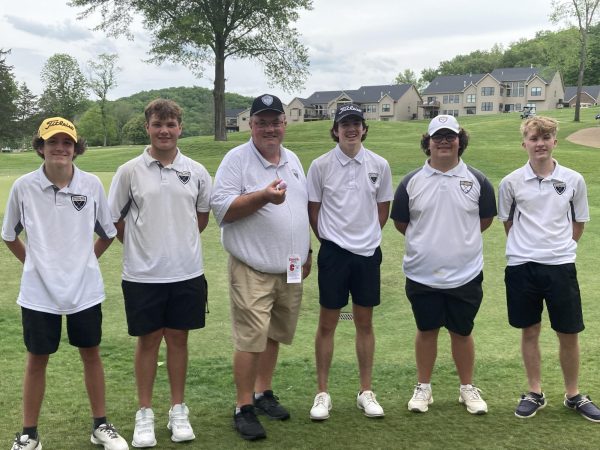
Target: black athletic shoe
{"points": [[529, 405], [583, 405], [269, 405], [247, 425]]}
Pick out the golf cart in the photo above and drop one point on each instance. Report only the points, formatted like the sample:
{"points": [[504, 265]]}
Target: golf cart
{"points": [[527, 112]]}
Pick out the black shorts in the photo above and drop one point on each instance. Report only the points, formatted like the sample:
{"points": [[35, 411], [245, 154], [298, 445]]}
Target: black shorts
{"points": [[152, 306], [42, 330], [342, 273], [454, 309], [529, 284]]}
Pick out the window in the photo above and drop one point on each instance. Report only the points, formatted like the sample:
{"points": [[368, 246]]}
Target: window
{"points": [[452, 98], [471, 98], [518, 106], [487, 106], [385, 107], [536, 91], [369, 108], [431, 100], [487, 91], [471, 110], [515, 89]]}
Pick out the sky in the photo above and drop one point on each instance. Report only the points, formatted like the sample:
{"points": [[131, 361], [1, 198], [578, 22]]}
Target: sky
{"points": [[351, 43]]}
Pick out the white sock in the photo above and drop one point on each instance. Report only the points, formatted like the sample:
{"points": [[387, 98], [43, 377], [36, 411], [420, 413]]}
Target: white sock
{"points": [[466, 386], [258, 395], [425, 385]]}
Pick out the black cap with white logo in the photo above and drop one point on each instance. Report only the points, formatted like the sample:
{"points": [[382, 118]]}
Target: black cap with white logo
{"points": [[348, 110], [266, 102]]}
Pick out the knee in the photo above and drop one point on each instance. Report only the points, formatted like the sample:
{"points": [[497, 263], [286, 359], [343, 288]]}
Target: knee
{"points": [[176, 338]]}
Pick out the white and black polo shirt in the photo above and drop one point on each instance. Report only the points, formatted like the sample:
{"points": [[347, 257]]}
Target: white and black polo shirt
{"points": [[349, 190], [542, 212], [159, 205], [61, 273], [443, 242]]}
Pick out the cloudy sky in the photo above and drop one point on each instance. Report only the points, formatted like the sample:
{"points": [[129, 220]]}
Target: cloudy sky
{"points": [[351, 42]]}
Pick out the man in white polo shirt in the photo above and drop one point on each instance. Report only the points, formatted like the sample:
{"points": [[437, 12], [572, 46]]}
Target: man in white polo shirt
{"points": [[160, 203], [349, 195], [259, 200], [544, 208], [60, 208], [442, 209]]}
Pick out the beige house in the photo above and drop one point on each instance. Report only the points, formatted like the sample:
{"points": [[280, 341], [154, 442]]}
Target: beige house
{"points": [[590, 95], [503, 90], [382, 102]]}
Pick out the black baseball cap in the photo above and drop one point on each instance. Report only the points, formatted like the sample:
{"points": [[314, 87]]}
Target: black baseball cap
{"points": [[266, 102], [348, 110]]}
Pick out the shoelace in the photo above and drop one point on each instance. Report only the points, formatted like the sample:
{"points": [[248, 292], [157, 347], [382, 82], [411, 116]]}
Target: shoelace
{"points": [[320, 400], [18, 441], [179, 419], [583, 401], [472, 393], [109, 430], [369, 397], [420, 393], [532, 399], [144, 423]]}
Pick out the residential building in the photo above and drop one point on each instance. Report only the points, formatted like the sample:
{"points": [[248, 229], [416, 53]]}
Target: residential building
{"points": [[502, 90], [231, 119], [590, 95]]}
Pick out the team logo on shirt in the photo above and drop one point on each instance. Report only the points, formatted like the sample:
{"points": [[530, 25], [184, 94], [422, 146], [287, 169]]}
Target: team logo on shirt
{"points": [[373, 177], [184, 177], [78, 201], [560, 187], [295, 172], [466, 186]]}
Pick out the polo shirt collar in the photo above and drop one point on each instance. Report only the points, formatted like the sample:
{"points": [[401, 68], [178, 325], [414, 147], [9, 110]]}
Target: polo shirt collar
{"points": [[554, 176], [148, 159], [73, 185], [460, 170], [283, 159], [345, 159]]}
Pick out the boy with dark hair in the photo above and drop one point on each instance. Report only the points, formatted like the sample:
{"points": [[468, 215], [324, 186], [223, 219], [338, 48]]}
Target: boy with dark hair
{"points": [[544, 208], [60, 207]]}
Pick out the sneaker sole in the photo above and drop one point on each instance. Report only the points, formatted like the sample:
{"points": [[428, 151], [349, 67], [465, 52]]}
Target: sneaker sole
{"points": [[419, 410], [176, 439], [319, 419], [137, 445], [249, 437], [475, 412]]}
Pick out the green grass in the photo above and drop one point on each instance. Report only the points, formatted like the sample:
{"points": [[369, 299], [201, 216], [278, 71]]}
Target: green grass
{"points": [[495, 149]]}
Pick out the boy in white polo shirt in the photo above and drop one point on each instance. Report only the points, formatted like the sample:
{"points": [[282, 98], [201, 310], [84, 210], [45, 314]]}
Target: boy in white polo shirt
{"points": [[160, 203], [442, 209], [544, 208], [60, 207], [349, 195]]}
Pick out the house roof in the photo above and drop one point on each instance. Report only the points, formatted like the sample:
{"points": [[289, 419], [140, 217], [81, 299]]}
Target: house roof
{"points": [[516, 73], [364, 94], [452, 83], [320, 97], [233, 112], [592, 91]]}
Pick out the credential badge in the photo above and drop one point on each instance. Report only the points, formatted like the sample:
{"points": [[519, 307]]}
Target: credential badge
{"points": [[184, 177], [560, 187], [373, 177], [466, 186], [78, 201]]}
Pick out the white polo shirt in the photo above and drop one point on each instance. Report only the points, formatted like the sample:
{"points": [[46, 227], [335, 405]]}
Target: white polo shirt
{"points": [[264, 239], [443, 242], [542, 212], [349, 190], [159, 204], [61, 273]]}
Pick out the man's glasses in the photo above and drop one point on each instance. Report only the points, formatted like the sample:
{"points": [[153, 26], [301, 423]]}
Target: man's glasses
{"points": [[264, 124], [438, 138]]}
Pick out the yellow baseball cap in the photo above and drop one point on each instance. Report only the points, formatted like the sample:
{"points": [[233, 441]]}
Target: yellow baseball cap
{"points": [[55, 125]]}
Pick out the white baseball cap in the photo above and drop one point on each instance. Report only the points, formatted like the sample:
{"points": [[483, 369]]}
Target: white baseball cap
{"points": [[443, 121]]}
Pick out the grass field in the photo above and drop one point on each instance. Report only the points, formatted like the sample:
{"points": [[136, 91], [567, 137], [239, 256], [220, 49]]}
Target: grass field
{"points": [[494, 149]]}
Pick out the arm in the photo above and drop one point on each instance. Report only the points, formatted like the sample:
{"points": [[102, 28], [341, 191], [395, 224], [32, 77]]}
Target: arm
{"points": [[577, 230], [17, 248], [401, 226], [101, 245], [485, 223], [120, 226], [507, 226], [247, 204], [383, 211], [313, 217], [306, 267], [202, 220]]}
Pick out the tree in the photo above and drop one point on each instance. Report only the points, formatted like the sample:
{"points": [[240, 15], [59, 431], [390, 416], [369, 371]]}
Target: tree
{"points": [[134, 131], [102, 78], [200, 32], [87, 126], [428, 75], [586, 13], [27, 114], [65, 91], [8, 96]]}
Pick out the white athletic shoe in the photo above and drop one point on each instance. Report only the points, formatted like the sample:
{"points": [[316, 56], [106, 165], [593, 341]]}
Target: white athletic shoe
{"points": [[23, 442], [367, 402], [421, 399], [107, 436], [143, 434], [470, 397], [321, 406], [179, 423]]}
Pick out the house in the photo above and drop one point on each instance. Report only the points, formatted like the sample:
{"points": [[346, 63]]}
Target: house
{"points": [[231, 119], [590, 95], [379, 102], [502, 90]]}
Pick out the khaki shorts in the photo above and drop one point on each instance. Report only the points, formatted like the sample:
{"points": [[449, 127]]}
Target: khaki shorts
{"points": [[262, 305]]}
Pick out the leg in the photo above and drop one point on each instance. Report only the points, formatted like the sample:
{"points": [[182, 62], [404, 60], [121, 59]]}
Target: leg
{"points": [[324, 343], [425, 353], [532, 358], [177, 360], [244, 374], [365, 344], [267, 360], [146, 357], [93, 373], [569, 361], [463, 353], [34, 386]]}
